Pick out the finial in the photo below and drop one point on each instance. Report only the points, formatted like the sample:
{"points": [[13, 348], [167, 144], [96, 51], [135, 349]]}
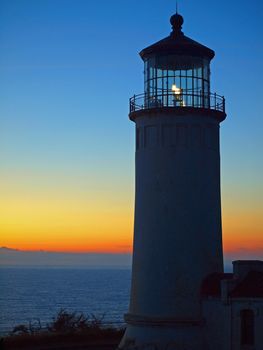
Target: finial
{"points": [[177, 22]]}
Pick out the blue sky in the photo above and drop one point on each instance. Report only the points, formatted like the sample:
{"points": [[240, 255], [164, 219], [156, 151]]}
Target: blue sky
{"points": [[68, 68]]}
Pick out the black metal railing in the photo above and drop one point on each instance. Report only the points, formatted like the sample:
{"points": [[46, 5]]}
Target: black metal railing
{"points": [[179, 99]]}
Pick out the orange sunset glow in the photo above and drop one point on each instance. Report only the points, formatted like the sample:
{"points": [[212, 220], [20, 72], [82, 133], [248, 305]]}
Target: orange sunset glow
{"points": [[54, 213], [65, 219], [67, 146]]}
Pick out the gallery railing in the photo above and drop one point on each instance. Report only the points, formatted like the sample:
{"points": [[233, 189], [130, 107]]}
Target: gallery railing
{"points": [[182, 99]]}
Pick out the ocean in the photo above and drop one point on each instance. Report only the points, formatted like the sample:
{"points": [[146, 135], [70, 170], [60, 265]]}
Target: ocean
{"points": [[32, 294]]}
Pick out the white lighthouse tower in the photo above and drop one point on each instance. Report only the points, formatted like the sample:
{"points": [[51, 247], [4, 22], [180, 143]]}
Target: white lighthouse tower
{"points": [[177, 230]]}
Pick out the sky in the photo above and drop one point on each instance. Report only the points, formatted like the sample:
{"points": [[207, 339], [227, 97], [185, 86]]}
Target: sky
{"points": [[67, 70]]}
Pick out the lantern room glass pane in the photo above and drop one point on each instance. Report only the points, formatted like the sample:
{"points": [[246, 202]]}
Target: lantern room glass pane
{"points": [[178, 80]]}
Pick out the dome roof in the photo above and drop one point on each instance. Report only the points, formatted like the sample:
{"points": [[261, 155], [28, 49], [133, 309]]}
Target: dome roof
{"points": [[177, 43]]}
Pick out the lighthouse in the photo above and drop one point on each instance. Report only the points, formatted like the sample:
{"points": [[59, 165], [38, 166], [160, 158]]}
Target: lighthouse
{"points": [[177, 226]]}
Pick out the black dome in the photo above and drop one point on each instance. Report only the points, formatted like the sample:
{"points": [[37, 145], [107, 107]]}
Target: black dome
{"points": [[177, 43], [177, 21]]}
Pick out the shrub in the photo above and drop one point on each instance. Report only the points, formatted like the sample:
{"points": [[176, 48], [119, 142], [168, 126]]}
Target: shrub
{"points": [[68, 322], [33, 327]]}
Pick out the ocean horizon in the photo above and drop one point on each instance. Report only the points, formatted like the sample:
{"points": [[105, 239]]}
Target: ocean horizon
{"points": [[32, 293], [37, 293]]}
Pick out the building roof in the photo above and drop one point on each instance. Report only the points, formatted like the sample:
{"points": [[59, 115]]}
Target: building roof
{"points": [[211, 285], [250, 287], [177, 43]]}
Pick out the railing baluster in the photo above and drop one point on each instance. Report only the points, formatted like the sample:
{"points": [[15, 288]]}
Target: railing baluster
{"points": [[215, 101], [166, 98]]}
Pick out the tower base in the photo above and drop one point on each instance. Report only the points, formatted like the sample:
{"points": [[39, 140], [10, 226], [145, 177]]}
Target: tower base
{"points": [[184, 336]]}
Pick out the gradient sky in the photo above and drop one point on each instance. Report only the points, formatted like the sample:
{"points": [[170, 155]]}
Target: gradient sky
{"points": [[67, 69]]}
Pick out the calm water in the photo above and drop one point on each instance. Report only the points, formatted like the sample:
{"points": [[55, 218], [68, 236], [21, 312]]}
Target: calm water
{"points": [[39, 293]]}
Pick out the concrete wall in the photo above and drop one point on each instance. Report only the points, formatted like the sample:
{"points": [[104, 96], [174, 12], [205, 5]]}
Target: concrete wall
{"points": [[177, 229], [217, 329], [252, 304], [223, 323], [177, 232]]}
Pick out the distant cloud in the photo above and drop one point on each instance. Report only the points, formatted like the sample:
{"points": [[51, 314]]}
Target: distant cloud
{"points": [[8, 249], [15, 257], [242, 254], [245, 253]]}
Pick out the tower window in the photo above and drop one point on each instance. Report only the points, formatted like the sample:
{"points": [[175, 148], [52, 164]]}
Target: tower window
{"points": [[247, 327]]}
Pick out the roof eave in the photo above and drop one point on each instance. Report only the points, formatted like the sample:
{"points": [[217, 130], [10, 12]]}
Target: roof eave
{"points": [[146, 53], [181, 45]]}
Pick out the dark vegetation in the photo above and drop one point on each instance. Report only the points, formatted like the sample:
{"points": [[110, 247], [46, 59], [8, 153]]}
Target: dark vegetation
{"points": [[68, 330]]}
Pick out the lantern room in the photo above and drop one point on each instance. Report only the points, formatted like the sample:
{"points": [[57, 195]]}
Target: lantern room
{"points": [[177, 74], [177, 80]]}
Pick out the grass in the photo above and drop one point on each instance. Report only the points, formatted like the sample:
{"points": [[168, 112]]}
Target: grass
{"points": [[66, 328]]}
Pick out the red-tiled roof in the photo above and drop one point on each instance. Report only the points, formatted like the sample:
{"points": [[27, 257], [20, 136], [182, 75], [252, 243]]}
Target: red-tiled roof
{"points": [[250, 287], [211, 285]]}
